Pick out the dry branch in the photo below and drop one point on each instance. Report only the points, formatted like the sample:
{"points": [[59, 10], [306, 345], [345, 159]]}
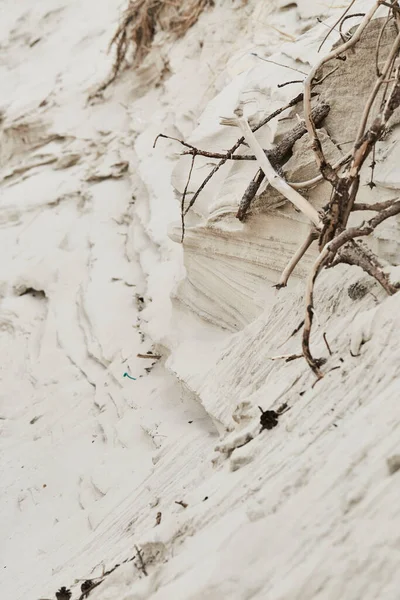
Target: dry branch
{"points": [[301, 185], [274, 179], [338, 243], [278, 156], [375, 207], [237, 145], [250, 194], [355, 254], [327, 255], [312, 236]]}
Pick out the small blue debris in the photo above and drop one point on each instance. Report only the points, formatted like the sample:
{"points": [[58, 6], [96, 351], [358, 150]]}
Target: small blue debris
{"points": [[127, 375]]}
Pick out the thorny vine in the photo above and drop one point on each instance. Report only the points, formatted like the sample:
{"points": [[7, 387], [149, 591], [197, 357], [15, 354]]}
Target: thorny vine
{"points": [[337, 242]]}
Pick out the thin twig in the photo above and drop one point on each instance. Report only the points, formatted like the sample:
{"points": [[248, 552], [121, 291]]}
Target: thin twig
{"points": [[281, 85], [319, 81], [141, 561], [335, 24], [184, 196], [268, 60], [312, 236], [352, 16], [302, 185], [327, 344], [285, 357], [371, 184], [296, 330]]}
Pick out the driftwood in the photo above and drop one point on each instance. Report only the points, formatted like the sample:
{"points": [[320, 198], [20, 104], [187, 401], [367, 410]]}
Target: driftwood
{"points": [[229, 155], [278, 156], [273, 177]]}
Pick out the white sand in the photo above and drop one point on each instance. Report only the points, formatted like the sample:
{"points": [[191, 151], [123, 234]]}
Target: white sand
{"points": [[91, 275]]}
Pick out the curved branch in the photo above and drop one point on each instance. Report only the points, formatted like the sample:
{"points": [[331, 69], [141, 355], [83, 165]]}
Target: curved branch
{"points": [[326, 255]]}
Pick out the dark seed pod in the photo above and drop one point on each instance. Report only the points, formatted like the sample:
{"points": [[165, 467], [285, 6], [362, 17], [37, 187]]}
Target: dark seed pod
{"points": [[63, 594]]}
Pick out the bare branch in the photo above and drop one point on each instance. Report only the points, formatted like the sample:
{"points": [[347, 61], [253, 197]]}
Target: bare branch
{"points": [[273, 62], [249, 194], [354, 254], [184, 197], [302, 185], [274, 179], [278, 156], [335, 24], [312, 236], [376, 207], [292, 102], [327, 255]]}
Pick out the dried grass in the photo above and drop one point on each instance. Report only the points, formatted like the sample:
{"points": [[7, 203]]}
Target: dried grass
{"points": [[141, 20]]}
